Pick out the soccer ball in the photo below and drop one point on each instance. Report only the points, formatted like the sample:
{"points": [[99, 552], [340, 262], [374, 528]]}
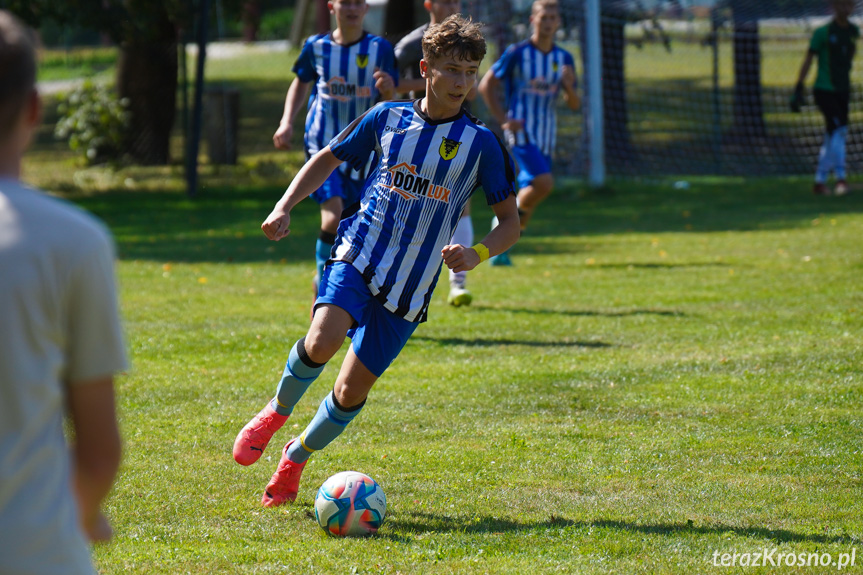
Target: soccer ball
{"points": [[350, 504]]}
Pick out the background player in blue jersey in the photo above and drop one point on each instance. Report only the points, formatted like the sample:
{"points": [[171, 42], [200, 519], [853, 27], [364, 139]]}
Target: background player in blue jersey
{"points": [[387, 257], [347, 71], [408, 55], [532, 73]]}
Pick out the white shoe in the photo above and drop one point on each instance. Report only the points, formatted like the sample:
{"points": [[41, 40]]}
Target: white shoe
{"points": [[459, 296], [841, 188]]}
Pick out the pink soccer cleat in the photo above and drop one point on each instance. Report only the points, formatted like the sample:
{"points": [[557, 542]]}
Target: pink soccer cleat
{"points": [[254, 437], [285, 483]]}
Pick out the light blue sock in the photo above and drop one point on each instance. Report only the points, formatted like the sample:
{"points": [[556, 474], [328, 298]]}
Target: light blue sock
{"points": [[329, 422], [825, 159], [323, 247], [300, 372], [837, 142]]}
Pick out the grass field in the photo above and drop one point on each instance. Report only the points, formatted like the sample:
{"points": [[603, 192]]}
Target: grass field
{"points": [[664, 374]]}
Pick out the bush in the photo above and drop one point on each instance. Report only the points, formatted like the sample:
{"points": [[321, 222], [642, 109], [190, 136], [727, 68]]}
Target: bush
{"points": [[95, 122]]}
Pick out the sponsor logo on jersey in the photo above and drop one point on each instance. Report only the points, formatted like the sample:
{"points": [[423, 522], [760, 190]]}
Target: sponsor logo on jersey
{"points": [[555, 67], [539, 85], [362, 60], [404, 180], [395, 130], [343, 92], [448, 148]]}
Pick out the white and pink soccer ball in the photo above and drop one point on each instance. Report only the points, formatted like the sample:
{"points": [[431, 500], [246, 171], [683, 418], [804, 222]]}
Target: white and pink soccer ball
{"points": [[350, 504]]}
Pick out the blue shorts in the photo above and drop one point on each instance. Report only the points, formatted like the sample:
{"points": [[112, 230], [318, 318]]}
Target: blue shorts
{"points": [[531, 163], [339, 185], [378, 335]]}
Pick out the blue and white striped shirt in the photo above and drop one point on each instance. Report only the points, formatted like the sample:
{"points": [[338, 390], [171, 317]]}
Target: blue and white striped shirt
{"points": [[344, 83], [532, 81], [426, 171]]}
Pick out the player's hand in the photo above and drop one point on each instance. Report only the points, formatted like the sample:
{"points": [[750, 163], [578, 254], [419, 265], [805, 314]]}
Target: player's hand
{"points": [[97, 528], [459, 258], [277, 225], [282, 137], [513, 125], [384, 84], [798, 99]]}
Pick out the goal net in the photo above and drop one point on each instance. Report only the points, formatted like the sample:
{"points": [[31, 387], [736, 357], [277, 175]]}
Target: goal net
{"points": [[693, 86]]}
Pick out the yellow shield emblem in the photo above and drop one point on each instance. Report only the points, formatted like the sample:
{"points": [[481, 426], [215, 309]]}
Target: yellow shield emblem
{"points": [[362, 60], [448, 149]]}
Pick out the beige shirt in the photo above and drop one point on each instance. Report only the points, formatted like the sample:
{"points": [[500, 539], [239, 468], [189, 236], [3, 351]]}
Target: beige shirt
{"points": [[58, 323]]}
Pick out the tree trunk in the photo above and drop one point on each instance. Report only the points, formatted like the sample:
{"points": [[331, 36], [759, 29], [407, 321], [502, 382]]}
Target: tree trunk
{"points": [[251, 17], [748, 107], [147, 76]]}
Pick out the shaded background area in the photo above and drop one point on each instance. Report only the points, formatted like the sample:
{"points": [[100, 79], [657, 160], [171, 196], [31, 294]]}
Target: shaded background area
{"points": [[689, 86]]}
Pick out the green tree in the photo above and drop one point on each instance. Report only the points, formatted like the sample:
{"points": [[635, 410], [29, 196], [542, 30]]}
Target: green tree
{"points": [[146, 32]]}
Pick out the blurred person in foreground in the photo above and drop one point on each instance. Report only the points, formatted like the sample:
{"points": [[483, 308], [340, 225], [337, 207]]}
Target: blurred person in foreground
{"points": [[60, 346]]}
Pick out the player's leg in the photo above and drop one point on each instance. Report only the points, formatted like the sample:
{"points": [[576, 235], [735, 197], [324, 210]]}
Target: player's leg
{"points": [[377, 338], [533, 195], [826, 155], [331, 199], [840, 136], [331, 213], [463, 234], [306, 361], [335, 412], [535, 184]]}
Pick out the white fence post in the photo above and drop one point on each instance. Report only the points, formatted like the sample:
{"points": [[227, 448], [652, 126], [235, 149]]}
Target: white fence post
{"points": [[593, 73]]}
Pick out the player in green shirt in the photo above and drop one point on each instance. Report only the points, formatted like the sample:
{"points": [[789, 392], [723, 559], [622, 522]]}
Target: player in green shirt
{"points": [[834, 44]]}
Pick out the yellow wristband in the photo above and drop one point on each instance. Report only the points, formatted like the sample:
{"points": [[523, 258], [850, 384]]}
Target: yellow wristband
{"points": [[481, 251]]}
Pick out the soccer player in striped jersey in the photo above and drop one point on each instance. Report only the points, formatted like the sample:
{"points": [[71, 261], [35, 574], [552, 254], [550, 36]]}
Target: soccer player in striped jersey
{"points": [[347, 71], [532, 73], [431, 156]]}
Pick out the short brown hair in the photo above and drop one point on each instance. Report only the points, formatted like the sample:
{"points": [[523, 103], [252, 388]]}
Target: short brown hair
{"points": [[456, 35], [17, 69], [544, 5]]}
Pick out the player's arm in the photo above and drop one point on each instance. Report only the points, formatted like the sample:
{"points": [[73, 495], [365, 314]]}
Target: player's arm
{"points": [[96, 451], [460, 258], [489, 89], [297, 95], [805, 67], [407, 85], [310, 177]]}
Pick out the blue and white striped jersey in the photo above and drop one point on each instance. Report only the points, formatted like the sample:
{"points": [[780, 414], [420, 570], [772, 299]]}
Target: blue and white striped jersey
{"points": [[532, 82], [425, 172], [344, 83]]}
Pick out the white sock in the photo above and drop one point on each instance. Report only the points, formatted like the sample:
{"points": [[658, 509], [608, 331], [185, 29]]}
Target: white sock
{"points": [[837, 142], [826, 160], [463, 235]]}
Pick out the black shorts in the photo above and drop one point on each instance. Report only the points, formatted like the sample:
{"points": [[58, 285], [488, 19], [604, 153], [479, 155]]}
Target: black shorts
{"points": [[834, 106]]}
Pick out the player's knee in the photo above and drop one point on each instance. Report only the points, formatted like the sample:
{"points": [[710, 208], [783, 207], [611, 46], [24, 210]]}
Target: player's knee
{"points": [[321, 346], [543, 184], [346, 396]]}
